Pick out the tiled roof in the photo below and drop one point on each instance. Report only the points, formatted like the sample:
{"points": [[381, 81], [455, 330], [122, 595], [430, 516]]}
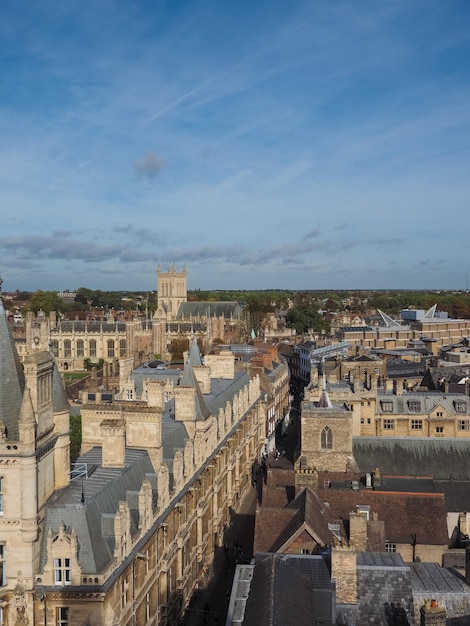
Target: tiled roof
{"points": [[404, 514]]}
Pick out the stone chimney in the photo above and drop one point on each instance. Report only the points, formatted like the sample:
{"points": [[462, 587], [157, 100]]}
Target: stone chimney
{"points": [[113, 442], [156, 394], [397, 387], [222, 365], [343, 569], [432, 614], [358, 528], [203, 377], [185, 403]]}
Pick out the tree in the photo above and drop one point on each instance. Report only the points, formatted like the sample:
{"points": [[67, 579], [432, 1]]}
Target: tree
{"points": [[46, 301], [178, 347], [75, 436], [305, 317]]}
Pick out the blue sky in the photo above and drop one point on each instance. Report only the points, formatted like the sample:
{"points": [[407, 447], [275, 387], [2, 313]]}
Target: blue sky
{"points": [[266, 144]]}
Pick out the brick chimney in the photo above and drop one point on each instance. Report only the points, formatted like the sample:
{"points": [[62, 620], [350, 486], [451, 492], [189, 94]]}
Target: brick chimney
{"points": [[358, 528], [432, 614], [343, 569]]}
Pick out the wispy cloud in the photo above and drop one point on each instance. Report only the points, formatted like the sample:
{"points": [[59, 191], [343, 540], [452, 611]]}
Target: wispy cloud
{"points": [[315, 141]]}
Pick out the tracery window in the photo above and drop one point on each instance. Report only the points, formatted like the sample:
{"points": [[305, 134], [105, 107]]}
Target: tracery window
{"points": [[326, 438]]}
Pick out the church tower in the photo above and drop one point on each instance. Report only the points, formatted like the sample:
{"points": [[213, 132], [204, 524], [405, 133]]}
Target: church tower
{"points": [[172, 290]]}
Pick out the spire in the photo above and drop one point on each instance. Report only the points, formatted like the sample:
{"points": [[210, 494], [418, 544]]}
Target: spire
{"points": [[324, 402], [194, 353], [189, 380], [12, 381]]}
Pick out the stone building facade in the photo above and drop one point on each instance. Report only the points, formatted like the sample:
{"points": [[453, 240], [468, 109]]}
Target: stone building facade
{"points": [[160, 481], [128, 533], [34, 464]]}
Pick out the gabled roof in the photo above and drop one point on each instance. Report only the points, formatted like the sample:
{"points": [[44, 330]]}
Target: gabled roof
{"points": [[277, 527]]}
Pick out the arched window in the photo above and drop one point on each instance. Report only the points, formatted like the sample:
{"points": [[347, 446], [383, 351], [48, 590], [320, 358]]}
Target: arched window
{"points": [[122, 347], [110, 347], [326, 439], [67, 348], [80, 347], [55, 352]]}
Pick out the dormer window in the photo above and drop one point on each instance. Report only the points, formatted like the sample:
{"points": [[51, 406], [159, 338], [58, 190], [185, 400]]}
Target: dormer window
{"points": [[387, 406], [460, 406], [62, 572], [414, 405]]}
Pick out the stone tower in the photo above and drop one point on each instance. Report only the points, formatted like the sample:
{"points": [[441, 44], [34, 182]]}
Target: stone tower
{"points": [[172, 290], [34, 462]]}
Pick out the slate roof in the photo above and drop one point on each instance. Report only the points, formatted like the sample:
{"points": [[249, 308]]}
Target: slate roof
{"points": [[189, 380], [78, 326], [12, 380], [456, 494], [93, 519], [282, 592], [404, 404], [452, 375], [60, 401], [227, 310], [414, 456]]}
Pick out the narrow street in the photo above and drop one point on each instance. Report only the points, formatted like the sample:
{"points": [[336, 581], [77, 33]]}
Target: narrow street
{"points": [[210, 607]]}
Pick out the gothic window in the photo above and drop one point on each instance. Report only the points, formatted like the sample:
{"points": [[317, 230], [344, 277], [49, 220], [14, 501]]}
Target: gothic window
{"points": [[3, 572], [67, 348], [55, 352], [122, 347], [80, 347], [62, 572], [92, 347], [326, 438], [62, 616], [110, 347]]}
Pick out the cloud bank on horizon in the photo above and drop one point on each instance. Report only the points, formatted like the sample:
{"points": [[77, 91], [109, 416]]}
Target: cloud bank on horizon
{"points": [[266, 144]]}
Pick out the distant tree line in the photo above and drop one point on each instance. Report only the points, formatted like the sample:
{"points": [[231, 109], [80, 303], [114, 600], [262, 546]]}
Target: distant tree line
{"points": [[258, 303]]}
